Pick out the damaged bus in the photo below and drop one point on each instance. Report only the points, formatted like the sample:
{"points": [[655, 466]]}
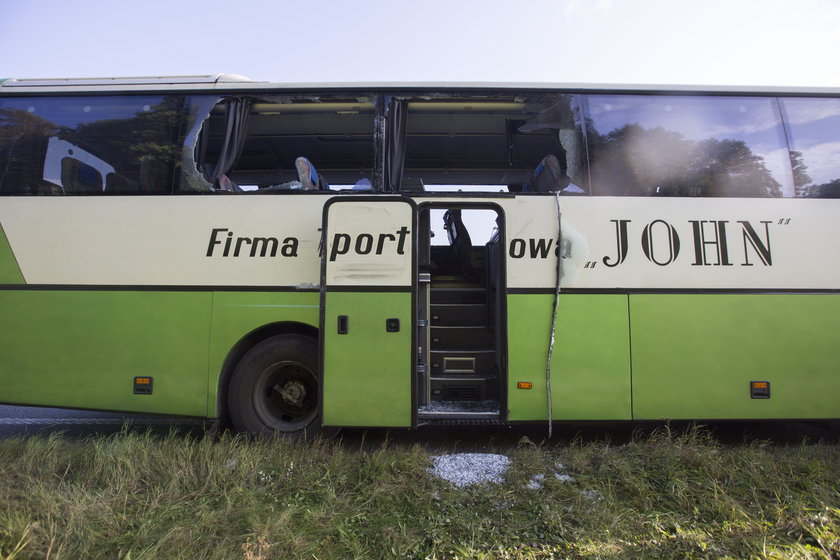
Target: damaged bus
{"points": [[287, 258]]}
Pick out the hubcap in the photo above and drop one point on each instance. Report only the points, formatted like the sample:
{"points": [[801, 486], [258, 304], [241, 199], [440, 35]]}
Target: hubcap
{"points": [[286, 396]]}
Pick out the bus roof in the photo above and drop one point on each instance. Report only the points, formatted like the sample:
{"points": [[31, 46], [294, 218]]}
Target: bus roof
{"points": [[125, 82], [235, 82]]}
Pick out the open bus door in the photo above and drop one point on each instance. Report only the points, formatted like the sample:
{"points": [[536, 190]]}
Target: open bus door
{"points": [[462, 321], [368, 291]]}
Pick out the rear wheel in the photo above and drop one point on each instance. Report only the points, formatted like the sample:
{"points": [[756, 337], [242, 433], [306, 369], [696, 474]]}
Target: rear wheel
{"points": [[275, 388]]}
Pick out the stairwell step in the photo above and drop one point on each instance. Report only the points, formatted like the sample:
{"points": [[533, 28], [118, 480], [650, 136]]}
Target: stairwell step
{"points": [[460, 362], [459, 314], [457, 295], [461, 338]]}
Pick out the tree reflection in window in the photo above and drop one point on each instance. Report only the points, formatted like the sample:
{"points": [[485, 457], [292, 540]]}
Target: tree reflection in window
{"points": [[812, 128], [23, 141], [642, 145], [89, 145]]}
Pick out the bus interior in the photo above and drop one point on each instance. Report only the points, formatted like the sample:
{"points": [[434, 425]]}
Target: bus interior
{"points": [[485, 142], [461, 341]]}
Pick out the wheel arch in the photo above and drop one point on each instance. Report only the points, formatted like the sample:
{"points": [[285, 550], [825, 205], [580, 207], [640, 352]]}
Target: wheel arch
{"points": [[242, 347]]}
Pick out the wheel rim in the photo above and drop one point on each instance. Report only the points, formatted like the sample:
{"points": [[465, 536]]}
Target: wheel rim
{"points": [[286, 396]]}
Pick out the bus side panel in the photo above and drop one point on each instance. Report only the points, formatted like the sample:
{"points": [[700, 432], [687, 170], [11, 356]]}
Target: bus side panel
{"points": [[367, 372], [236, 314], [82, 349], [9, 269], [590, 369], [694, 356]]}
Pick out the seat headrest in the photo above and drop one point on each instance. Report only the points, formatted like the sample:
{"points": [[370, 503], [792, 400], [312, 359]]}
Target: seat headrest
{"points": [[548, 176], [412, 184]]}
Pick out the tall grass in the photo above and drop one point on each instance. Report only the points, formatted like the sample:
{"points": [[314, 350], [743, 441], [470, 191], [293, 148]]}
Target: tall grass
{"points": [[137, 496]]}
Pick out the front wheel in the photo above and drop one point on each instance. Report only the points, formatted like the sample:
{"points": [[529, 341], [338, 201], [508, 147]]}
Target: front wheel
{"points": [[275, 388]]}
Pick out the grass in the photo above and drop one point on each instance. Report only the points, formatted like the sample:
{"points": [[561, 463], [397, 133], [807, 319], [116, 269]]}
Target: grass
{"points": [[137, 496]]}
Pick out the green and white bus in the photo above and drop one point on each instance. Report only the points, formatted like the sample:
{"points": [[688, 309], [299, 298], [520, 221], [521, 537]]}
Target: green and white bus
{"points": [[290, 257]]}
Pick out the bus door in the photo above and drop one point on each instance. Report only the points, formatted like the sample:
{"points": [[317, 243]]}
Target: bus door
{"points": [[461, 371], [368, 290]]}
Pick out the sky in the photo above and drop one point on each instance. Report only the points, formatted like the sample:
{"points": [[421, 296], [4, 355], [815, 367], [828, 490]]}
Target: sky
{"points": [[702, 42]]}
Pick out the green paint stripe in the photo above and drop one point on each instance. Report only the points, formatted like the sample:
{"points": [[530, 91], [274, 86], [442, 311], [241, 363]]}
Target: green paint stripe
{"points": [[9, 269]]}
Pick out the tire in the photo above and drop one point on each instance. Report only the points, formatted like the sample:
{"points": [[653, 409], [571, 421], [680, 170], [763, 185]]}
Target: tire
{"points": [[275, 389]]}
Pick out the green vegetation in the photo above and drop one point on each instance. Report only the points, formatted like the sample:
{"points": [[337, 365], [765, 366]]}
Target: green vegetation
{"points": [[659, 496]]}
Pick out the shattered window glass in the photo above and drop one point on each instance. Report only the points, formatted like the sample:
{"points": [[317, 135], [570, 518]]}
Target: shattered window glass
{"points": [[267, 142], [514, 142]]}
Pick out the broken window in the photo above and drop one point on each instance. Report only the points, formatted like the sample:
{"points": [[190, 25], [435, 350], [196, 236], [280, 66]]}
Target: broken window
{"points": [[495, 142], [255, 142]]}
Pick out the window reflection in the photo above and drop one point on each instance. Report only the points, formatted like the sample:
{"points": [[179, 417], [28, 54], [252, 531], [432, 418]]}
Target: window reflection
{"points": [[644, 145], [89, 145], [812, 126]]}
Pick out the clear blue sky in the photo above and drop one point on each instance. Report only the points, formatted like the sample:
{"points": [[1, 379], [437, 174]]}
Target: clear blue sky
{"points": [[751, 42]]}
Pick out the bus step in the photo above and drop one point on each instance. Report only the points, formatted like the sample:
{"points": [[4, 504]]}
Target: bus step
{"points": [[456, 338], [458, 295], [462, 362], [463, 377], [463, 389], [423, 421], [490, 405], [459, 314], [486, 410]]}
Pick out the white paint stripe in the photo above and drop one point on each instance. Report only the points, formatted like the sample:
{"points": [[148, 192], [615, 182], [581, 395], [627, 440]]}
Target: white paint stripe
{"points": [[164, 241]]}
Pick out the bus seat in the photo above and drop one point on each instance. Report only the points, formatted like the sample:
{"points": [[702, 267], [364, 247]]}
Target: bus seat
{"points": [[79, 178], [154, 176], [412, 184], [548, 176], [459, 239], [120, 184], [309, 177], [225, 184]]}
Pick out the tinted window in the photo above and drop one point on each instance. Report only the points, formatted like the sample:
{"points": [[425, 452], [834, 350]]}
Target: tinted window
{"points": [[88, 145], [643, 145], [813, 127]]}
